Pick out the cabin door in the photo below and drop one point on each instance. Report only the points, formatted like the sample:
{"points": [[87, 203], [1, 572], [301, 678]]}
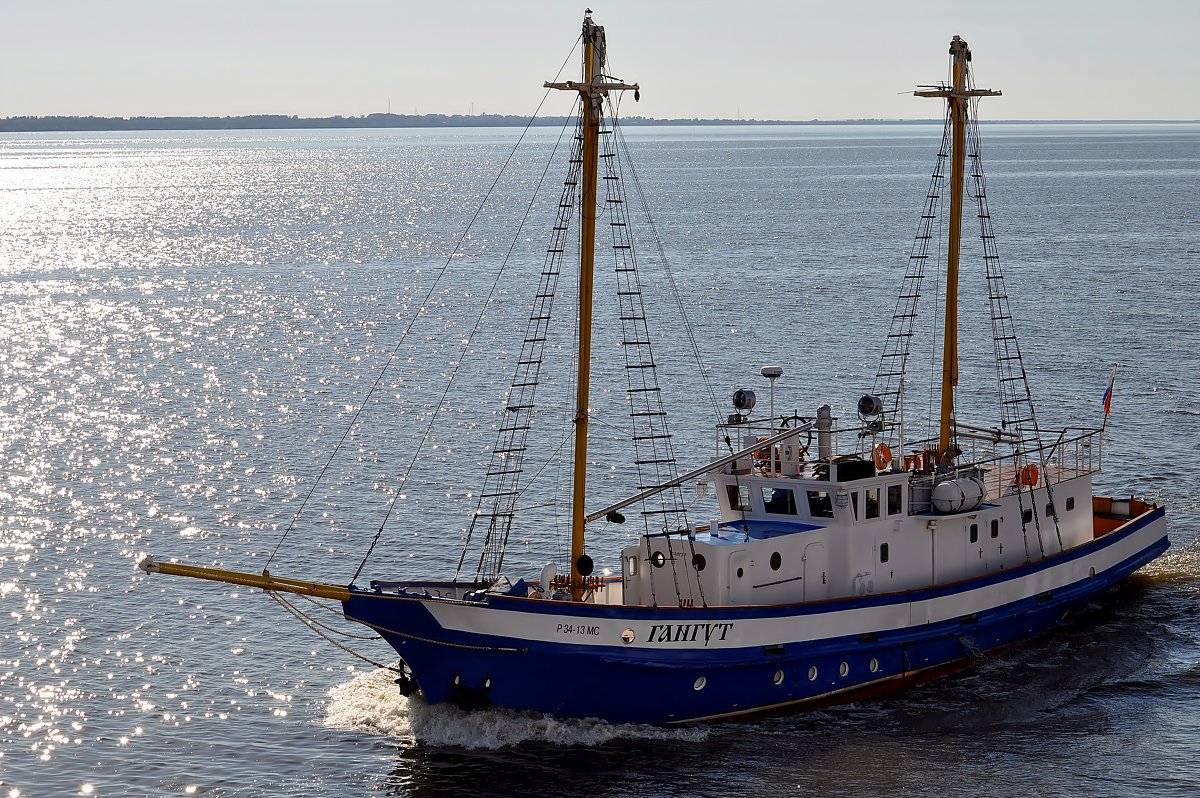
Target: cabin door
{"points": [[816, 572], [739, 577], [976, 552]]}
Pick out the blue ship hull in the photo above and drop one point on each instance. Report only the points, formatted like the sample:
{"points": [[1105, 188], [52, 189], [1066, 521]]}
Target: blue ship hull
{"points": [[624, 684]]}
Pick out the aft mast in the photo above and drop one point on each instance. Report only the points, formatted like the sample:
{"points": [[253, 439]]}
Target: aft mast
{"points": [[957, 96], [593, 89]]}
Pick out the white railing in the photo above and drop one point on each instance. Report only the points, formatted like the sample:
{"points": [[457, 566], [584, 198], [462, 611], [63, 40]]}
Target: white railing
{"points": [[990, 453]]}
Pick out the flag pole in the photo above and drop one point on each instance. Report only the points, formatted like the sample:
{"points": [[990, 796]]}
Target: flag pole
{"points": [[1107, 402]]}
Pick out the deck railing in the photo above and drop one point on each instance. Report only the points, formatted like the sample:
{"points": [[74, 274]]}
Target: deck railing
{"points": [[990, 454]]}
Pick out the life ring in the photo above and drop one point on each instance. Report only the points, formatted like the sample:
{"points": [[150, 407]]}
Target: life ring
{"points": [[883, 456], [912, 462], [1028, 475]]}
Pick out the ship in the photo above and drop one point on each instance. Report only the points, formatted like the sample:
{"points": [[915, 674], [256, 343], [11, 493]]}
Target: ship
{"points": [[840, 558]]}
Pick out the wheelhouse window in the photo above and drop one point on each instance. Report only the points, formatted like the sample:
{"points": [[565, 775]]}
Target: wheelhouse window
{"points": [[872, 505], [854, 505], [819, 504], [895, 499], [739, 497], [779, 501]]}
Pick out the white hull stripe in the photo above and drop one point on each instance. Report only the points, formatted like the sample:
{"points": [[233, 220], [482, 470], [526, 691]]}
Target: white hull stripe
{"points": [[694, 631]]}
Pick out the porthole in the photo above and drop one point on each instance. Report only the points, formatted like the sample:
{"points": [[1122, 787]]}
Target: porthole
{"points": [[698, 562], [812, 673], [776, 561], [995, 527], [658, 559], [1070, 502], [1049, 509], [844, 669], [974, 533], [628, 636], [1026, 516], [487, 682], [778, 677], [700, 683], [873, 665], [1091, 572], [740, 572], [883, 552]]}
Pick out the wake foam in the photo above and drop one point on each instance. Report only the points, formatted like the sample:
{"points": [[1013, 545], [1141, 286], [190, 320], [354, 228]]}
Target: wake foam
{"points": [[371, 702]]}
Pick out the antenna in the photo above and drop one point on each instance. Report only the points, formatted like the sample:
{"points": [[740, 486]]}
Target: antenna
{"points": [[772, 373]]}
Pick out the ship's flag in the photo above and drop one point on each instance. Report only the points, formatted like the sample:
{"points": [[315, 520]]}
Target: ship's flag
{"points": [[1108, 392]]}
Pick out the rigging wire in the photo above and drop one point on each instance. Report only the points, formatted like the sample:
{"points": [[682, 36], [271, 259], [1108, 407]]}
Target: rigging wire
{"points": [[942, 245], [309, 623], [1001, 317], [563, 483], [628, 433], [511, 436], [466, 344], [483, 311], [552, 458], [404, 335], [668, 272], [671, 507], [676, 295]]}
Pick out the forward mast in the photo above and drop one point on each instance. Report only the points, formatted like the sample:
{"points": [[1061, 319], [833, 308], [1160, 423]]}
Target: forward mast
{"points": [[593, 90]]}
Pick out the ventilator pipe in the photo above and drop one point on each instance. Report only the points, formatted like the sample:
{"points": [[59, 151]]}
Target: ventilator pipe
{"points": [[824, 432]]}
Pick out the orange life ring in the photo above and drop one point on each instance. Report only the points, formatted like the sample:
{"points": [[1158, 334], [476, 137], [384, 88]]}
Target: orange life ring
{"points": [[1028, 475], [912, 462], [883, 456]]}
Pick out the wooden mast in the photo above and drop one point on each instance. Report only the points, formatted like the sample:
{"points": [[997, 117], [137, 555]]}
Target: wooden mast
{"points": [[958, 97], [592, 91]]}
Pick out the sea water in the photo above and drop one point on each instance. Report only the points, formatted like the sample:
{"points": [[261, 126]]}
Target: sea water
{"points": [[194, 330]]}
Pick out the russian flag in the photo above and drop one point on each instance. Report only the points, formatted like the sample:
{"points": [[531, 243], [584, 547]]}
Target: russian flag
{"points": [[1108, 392]]}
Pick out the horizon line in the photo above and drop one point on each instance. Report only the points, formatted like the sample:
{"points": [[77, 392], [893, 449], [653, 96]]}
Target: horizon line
{"points": [[62, 123]]}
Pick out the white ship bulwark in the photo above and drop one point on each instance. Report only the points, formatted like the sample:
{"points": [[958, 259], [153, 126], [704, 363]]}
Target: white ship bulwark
{"points": [[837, 561]]}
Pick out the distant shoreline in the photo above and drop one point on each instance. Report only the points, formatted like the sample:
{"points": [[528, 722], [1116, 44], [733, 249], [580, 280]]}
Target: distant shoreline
{"points": [[65, 124]]}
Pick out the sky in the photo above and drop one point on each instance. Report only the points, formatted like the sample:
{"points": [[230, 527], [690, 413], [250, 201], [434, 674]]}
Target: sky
{"points": [[762, 59]]}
